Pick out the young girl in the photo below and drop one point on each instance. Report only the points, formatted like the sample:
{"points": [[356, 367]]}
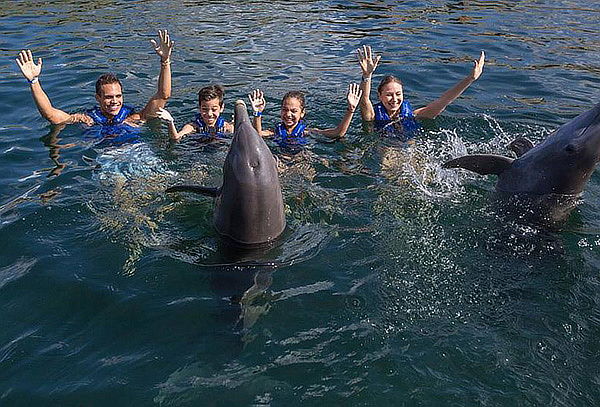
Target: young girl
{"points": [[394, 113], [291, 134], [208, 124]]}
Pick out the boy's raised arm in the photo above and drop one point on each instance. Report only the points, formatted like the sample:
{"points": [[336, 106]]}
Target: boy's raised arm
{"points": [[175, 135], [159, 100]]}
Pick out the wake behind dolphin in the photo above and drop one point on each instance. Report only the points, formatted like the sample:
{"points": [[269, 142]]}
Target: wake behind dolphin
{"points": [[548, 177], [249, 205]]}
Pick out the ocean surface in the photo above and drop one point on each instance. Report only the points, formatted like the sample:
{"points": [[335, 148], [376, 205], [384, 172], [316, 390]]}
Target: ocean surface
{"points": [[397, 282]]}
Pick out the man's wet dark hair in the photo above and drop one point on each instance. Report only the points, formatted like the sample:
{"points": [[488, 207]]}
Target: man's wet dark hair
{"points": [[106, 79], [211, 92]]}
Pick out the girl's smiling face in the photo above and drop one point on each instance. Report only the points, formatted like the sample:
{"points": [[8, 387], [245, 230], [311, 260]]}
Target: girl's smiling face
{"points": [[292, 111], [391, 96]]}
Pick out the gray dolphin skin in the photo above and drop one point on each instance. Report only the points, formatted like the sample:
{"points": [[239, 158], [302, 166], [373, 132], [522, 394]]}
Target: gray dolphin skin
{"points": [[249, 205], [554, 172]]}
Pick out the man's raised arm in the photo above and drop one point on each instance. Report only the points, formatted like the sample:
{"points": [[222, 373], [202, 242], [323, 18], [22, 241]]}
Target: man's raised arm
{"points": [[159, 100], [31, 71]]}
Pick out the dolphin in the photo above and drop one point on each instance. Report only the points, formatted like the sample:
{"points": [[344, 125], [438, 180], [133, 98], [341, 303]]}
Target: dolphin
{"points": [[549, 177], [249, 205]]}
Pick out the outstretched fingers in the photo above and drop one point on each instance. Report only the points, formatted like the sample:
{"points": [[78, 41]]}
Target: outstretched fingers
{"points": [[257, 100], [165, 45], [368, 61], [354, 94], [28, 67], [165, 38], [478, 66]]}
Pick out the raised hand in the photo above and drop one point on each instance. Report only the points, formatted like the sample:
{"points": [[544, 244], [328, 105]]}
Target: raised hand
{"points": [[164, 115], [368, 61], [478, 68], [29, 69], [354, 94], [165, 46], [257, 100]]}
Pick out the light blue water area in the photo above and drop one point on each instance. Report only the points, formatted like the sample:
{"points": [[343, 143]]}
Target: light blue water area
{"points": [[396, 283]]}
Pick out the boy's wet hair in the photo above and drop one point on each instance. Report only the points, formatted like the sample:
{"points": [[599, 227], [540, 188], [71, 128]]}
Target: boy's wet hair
{"points": [[211, 92], [388, 79], [106, 79], [294, 94]]}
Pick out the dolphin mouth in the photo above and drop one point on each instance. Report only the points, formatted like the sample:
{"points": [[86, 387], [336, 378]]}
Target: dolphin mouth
{"points": [[240, 113]]}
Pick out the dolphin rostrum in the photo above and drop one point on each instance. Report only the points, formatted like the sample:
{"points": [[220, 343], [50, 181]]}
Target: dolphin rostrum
{"points": [[249, 205], [552, 173]]}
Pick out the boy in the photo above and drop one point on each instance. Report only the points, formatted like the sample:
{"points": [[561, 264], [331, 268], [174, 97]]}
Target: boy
{"points": [[208, 123]]}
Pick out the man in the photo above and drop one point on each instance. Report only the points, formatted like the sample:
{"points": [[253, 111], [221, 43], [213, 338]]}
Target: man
{"points": [[110, 110]]}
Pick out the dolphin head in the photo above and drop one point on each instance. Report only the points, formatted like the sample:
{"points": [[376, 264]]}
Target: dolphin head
{"points": [[249, 208], [249, 157], [563, 163]]}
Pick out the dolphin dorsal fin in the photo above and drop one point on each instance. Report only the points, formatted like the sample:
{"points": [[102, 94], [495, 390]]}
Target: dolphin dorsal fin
{"points": [[520, 146], [214, 192], [483, 164]]}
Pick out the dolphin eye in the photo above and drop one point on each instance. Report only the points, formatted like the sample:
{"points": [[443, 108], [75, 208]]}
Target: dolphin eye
{"points": [[570, 148]]}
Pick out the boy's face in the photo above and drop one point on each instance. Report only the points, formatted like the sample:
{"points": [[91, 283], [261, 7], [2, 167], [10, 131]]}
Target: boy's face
{"points": [[291, 112], [210, 110]]}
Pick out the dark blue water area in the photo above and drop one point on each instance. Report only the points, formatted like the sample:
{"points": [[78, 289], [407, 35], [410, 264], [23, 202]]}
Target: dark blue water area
{"points": [[397, 282]]}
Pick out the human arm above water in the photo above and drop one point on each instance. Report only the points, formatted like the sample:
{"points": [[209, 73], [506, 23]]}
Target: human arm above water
{"points": [[32, 71], [159, 100], [188, 128], [173, 133], [353, 98], [437, 106], [368, 63]]}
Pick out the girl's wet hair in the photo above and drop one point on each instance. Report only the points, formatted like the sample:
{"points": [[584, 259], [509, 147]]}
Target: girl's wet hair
{"points": [[296, 94], [106, 79], [211, 92], [388, 79]]}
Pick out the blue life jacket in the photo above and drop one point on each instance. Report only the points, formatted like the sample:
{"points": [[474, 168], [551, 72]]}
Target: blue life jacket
{"points": [[401, 128], [293, 142], [99, 118], [113, 132], [207, 133]]}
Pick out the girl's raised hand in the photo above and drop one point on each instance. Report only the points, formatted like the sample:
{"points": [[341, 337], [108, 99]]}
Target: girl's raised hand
{"points": [[29, 69], [478, 68], [257, 100], [354, 94], [368, 61]]}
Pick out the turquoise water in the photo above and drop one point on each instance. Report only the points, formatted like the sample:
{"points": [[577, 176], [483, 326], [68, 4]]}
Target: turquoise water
{"points": [[396, 284]]}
